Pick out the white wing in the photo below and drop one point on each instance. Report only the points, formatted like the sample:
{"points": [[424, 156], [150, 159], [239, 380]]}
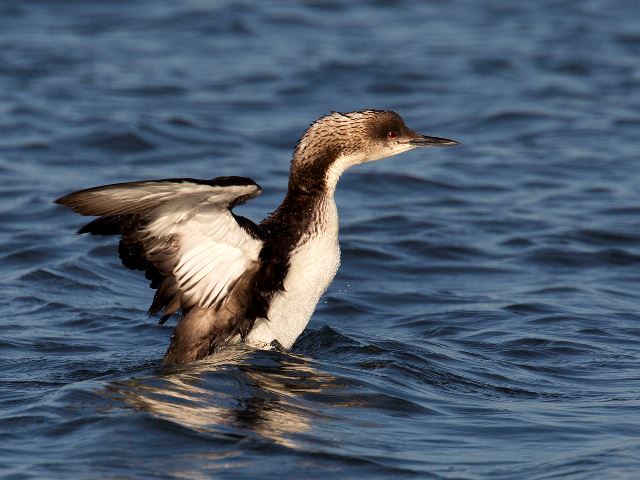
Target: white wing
{"points": [[184, 228], [213, 251]]}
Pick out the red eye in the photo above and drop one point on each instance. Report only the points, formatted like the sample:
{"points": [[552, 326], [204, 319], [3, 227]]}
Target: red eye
{"points": [[392, 134]]}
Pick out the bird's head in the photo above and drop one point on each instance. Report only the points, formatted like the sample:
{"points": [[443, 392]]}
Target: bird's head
{"points": [[340, 140]]}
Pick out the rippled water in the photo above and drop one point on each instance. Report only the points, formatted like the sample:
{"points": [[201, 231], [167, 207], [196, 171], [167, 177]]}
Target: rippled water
{"points": [[485, 321]]}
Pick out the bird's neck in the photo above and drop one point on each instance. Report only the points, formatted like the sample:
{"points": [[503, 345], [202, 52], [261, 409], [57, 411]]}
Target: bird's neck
{"points": [[310, 195], [309, 205], [301, 211], [318, 175]]}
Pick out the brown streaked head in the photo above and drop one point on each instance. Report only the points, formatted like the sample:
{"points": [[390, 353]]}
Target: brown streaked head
{"points": [[338, 141]]}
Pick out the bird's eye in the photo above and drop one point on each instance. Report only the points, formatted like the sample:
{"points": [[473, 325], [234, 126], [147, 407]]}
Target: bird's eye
{"points": [[391, 134]]}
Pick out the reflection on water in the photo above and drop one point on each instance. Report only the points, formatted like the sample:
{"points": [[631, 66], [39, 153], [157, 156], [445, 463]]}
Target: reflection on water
{"points": [[255, 392]]}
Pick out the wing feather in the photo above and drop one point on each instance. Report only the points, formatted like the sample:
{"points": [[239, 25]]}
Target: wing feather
{"points": [[192, 246]]}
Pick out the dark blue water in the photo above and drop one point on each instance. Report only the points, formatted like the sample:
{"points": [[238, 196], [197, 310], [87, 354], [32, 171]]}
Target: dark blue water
{"points": [[485, 322]]}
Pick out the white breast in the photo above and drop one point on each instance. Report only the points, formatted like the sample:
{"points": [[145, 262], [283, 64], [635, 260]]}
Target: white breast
{"points": [[312, 266]]}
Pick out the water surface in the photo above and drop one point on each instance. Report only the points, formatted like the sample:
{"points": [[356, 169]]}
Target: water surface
{"points": [[485, 320]]}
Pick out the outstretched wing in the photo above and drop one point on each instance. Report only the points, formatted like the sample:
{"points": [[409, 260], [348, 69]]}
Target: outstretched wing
{"points": [[182, 233]]}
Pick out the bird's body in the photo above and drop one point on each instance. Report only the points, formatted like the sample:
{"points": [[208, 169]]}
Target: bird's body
{"points": [[234, 280]]}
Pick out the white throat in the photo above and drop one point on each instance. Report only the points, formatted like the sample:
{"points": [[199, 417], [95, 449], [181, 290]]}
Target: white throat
{"points": [[343, 162]]}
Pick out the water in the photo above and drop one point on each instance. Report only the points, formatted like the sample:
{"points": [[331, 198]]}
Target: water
{"points": [[485, 320]]}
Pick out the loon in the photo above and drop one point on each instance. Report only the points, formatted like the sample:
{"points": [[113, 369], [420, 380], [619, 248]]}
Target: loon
{"points": [[231, 279]]}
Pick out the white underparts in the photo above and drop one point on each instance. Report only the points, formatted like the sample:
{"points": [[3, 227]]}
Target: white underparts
{"points": [[312, 266]]}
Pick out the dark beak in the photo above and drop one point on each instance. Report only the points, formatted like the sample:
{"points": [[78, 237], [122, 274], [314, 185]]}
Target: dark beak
{"points": [[426, 141]]}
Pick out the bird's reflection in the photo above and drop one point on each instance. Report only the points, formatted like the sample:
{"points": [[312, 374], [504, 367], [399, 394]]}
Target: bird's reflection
{"points": [[236, 392]]}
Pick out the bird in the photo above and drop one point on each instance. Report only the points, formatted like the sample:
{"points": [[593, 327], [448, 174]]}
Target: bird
{"points": [[230, 279]]}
